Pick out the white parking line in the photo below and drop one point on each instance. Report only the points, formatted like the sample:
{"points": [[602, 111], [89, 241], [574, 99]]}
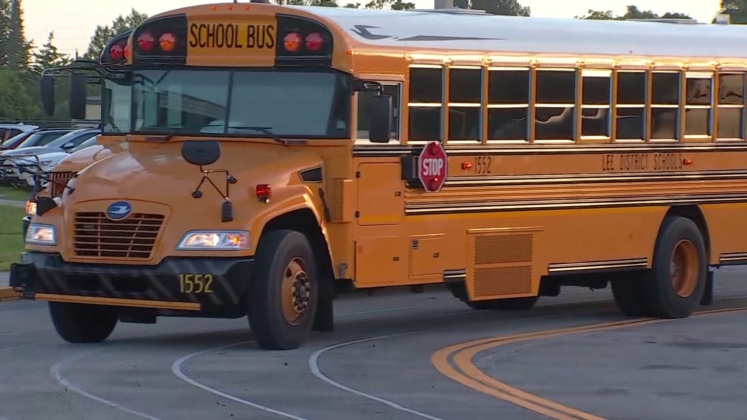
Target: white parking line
{"points": [[57, 375], [176, 368]]}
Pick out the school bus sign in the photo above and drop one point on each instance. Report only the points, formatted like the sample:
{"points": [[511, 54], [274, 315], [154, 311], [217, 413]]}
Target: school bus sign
{"points": [[433, 167]]}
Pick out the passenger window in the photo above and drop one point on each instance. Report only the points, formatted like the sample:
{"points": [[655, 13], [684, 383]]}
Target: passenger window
{"points": [[731, 107], [698, 105], [465, 104], [425, 103], [508, 104], [630, 118], [596, 101], [364, 125], [556, 104], [665, 106]]}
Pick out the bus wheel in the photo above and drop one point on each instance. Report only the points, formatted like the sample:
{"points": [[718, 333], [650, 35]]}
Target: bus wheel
{"points": [[629, 295], [514, 304], [79, 323], [676, 283], [284, 290]]}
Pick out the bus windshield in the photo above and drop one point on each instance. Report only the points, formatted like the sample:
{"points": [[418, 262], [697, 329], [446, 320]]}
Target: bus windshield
{"points": [[295, 103], [118, 89]]}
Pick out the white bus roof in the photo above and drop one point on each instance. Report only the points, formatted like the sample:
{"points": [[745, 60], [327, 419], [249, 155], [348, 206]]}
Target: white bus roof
{"points": [[479, 32]]}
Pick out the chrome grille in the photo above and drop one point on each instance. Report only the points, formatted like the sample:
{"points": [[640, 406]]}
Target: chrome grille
{"points": [[58, 181], [133, 238]]}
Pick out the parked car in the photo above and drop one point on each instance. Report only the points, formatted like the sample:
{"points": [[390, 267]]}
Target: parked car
{"points": [[13, 161], [43, 136], [8, 131], [45, 162]]}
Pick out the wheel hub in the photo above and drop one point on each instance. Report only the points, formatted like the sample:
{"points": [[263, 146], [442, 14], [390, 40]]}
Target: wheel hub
{"points": [[295, 293]]}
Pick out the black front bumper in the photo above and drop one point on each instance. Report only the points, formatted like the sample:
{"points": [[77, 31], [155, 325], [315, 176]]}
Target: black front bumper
{"points": [[209, 282]]}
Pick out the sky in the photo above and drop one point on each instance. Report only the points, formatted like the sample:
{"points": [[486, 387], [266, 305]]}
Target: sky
{"points": [[74, 21]]}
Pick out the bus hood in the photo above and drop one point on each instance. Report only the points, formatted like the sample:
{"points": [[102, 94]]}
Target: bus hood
{"points": [[157, 173]]}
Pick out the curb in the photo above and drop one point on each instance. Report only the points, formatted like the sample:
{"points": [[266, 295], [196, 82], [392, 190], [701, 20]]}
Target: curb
{"points": [[7, 293]]}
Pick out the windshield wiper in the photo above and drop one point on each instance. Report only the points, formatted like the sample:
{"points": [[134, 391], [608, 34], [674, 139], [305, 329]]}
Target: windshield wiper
{"points": [[165, 138], [264, 130]]}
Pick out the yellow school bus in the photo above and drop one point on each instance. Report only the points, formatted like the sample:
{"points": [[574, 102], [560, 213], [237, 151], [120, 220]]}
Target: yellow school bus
{"points": [[280, 154]]}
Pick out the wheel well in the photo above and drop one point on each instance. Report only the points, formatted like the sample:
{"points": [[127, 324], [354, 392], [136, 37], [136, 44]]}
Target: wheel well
{"points": [[693, 213], [304, 221]]}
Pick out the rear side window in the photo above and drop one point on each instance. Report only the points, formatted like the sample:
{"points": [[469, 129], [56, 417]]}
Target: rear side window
{"points": [[47, 138]]}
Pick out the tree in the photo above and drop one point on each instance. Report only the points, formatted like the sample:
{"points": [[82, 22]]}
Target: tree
{"points": [[103, 34], [19, 49], [633, 12], [49, 56], [4, 31], [15, 101], [736, 9], [353, 6], [495, 7], [402, 5]]}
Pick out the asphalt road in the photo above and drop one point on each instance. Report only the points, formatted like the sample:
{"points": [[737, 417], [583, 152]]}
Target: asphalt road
{"points": [[394, 356]]}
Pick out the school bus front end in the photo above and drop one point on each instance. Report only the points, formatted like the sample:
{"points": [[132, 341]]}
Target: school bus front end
{"points": [[241, 114]]}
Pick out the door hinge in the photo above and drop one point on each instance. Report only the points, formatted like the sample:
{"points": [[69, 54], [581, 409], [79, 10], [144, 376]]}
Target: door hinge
{"points": [[358, 174], [357, 214]]}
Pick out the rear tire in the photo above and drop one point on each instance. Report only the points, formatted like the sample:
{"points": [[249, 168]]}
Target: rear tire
{"points": [[80, 323], [674, 286], [284, 290]]}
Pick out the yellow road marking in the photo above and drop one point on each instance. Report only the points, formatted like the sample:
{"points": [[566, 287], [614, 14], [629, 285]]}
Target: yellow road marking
{"points": [[469, 375]]}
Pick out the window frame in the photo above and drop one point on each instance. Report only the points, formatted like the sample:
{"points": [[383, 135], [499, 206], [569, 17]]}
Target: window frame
{"points": [[529, 106], [601, 73], [480, 105], [696, 74], [718, 106], [443, 129]]}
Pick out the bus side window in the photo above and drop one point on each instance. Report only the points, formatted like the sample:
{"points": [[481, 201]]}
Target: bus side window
{"points": [[364, 124]]}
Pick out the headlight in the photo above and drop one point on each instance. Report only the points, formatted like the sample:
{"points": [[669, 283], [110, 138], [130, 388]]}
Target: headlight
{"points": [[214, 240], [41, 234], [30, 208]]}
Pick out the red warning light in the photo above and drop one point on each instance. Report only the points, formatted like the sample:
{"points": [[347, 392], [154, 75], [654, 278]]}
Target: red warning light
{"points": [[314, 41], [146, 41]]}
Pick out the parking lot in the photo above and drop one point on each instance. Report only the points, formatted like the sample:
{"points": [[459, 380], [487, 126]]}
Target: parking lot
{"points": [[394, 356]]}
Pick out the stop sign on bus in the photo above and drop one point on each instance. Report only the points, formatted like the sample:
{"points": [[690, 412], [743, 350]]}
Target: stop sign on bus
{"points": [[433, 166]]}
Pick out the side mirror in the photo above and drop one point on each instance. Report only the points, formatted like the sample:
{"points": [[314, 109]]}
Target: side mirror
{"points": [[78, 96], [46, 92], [380, 110], [68, 145]]}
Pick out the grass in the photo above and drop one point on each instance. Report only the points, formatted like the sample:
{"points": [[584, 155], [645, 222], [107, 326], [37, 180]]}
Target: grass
{"points": [[11, 235], [13, 193]]}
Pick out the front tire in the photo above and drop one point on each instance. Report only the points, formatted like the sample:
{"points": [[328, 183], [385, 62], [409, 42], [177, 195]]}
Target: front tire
{"points": [[284, 290], [675, 285], [80, 323]]}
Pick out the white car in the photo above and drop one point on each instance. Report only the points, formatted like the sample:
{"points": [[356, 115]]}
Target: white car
{"points": [[42, 162]]}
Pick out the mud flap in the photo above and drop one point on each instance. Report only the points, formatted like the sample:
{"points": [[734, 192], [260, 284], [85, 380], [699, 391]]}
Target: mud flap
{"points": [[707, 298], [324, 321]]}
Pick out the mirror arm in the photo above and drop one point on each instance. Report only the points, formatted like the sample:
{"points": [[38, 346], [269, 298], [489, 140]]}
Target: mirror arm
{"points": [[368, 86]]}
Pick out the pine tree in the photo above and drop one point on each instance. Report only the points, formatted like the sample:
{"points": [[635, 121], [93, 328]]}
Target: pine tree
{"points": [[49, 56], [4, 31], [103, 34], [19, 50]]}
